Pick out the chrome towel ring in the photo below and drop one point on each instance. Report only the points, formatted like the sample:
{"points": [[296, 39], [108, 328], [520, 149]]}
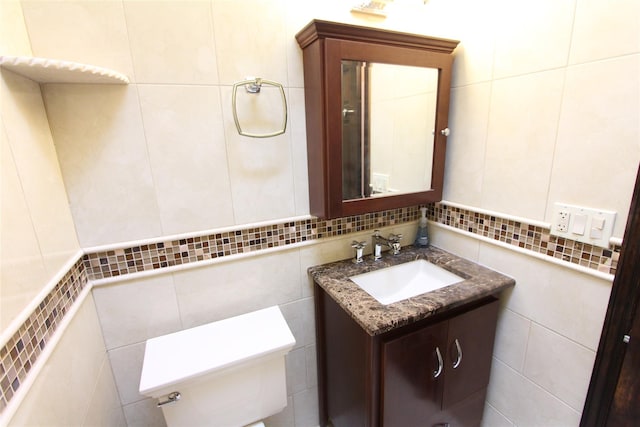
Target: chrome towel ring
{"points": [[254, 85]]}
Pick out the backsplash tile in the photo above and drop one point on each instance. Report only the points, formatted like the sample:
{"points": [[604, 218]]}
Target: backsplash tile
{"points": [[170, 253], [22, 350], [526, 236]]}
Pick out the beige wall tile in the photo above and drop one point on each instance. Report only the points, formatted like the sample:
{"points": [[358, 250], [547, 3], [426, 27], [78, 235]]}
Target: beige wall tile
{"points": [[104, 161], [91, 32], [523, 121], [598, 146], [236, 287], [492, 418], [172, 41], [104, 408], [305, 407], [512, 336], [559, 365], [301, 320], [36, 161], [261, 172], [456, 243], [296, 371], [297, 126], [259, 52], [14, 40], [134, 311], [144, 413], [567, 302], [62, 393], [126, 363], [532, 36], [23, 272], [187, 151], [525, 403], [603, 30], [466, 146]]}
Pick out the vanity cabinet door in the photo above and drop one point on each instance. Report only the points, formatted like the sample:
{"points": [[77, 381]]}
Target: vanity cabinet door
{"points": [[469, 353], [412, 376]]}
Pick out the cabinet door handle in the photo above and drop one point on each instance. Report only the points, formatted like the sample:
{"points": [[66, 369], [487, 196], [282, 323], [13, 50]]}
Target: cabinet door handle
{"points": [[438, 371], [459, 358]]}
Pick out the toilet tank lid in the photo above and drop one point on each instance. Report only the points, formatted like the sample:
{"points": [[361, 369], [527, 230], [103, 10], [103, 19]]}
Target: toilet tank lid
{"points": [[174, 358]]}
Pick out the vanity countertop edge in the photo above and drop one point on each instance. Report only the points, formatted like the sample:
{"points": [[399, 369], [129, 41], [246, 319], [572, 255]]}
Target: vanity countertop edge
{"points": [[376, 318]]}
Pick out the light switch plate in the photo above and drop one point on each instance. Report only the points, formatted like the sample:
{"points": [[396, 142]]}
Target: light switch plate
{"points": [[586, 225]]}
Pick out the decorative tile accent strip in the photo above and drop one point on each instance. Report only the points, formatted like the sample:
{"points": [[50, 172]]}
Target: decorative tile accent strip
{"points": [[171, 253], [21, 352], [526, 236], [19, 355]]}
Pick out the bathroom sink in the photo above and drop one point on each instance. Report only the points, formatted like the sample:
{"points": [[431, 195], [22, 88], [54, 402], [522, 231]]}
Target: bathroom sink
{"points": [[402, 281]]}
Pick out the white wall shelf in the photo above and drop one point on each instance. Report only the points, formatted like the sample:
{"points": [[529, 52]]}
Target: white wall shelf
{"points": [[45, 70]]}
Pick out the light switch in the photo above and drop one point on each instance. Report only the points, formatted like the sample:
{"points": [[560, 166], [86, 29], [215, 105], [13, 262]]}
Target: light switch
{"points": [[597, 225], [597, 222], [596, 233], [579, 224]]}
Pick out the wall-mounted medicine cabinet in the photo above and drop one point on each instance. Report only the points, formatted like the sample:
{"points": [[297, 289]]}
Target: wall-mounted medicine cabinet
{"points": [[377, 106]]}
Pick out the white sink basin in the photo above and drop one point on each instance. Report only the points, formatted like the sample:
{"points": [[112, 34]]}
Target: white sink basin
{"points": [[402, 281]]}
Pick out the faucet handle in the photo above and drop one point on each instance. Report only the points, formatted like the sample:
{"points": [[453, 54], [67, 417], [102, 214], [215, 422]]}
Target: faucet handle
{"points": [[395, 238], [359, 247], [394, 242]]}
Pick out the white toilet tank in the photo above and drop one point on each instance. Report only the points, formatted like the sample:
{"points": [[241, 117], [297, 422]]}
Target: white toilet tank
{"points": [[228, 373]]}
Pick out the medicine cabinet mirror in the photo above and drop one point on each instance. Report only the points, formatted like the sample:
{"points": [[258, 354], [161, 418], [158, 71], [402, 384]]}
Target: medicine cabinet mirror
{"points": [[377, 106]]}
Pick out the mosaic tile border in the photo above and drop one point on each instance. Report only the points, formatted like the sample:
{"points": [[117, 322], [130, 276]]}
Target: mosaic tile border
{"points": [[170, 253], [526, 236], [22, 350]]}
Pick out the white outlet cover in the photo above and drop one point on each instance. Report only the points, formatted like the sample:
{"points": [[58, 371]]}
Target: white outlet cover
{"points": [[601, 220]]}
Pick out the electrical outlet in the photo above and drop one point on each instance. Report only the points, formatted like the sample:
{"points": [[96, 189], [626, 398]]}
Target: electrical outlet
{"points": [[562, 220], [586, 225]]}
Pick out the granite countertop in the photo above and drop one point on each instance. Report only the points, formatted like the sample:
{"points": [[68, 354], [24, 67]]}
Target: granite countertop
{"points": [[376, 318]]}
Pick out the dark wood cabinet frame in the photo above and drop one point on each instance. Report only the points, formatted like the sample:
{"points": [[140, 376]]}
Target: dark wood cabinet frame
{"points": [[325, 45], [622, 312]]}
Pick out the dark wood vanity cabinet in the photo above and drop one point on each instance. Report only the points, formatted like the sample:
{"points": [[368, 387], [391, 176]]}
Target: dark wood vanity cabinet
{"points": [[340, 131], [431, 373]]}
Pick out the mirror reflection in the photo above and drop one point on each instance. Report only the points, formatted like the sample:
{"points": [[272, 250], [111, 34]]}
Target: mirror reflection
{"points": [[388, 118]]}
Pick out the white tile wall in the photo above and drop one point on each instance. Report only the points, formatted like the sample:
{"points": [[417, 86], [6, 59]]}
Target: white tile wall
{"points": [[465, 161], [525, 403], [171, 41], [23, 270], [559, 365], [523, 121], [570, 303], [185, 139], [14, 39], [250, 40], [128, 314], [105, 162], [33, 152], [513, 88], [532, 36], [90, 32], [76, 386], [598, 144], [601, 31]]}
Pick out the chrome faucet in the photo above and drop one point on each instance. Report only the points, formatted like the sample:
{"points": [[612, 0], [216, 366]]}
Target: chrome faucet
{"points": [[393, 242]]}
